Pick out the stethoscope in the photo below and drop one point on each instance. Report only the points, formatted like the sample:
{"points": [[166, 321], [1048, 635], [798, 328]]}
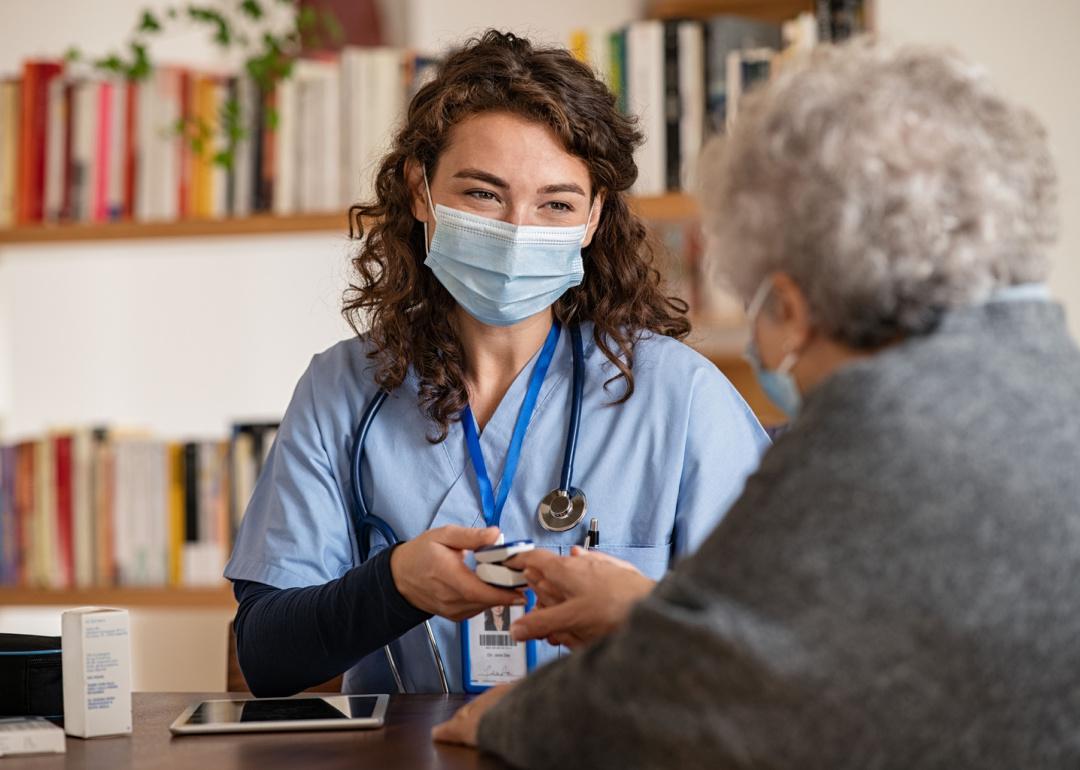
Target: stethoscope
{"points": [[560, 509]]}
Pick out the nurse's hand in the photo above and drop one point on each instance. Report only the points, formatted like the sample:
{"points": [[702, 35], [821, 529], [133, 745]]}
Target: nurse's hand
{"points": [[431, 574], [582, 597], [462, 727]]}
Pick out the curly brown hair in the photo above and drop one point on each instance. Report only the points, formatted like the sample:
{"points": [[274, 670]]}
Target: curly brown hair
{"points": [[407, 311]]}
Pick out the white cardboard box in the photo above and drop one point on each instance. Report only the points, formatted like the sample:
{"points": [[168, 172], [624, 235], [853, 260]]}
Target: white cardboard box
{"points": [[96, 657], [30, 735]]}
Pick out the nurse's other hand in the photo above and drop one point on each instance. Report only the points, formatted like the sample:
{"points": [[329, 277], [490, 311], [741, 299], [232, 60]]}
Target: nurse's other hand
{"points": [[462, 727], [431, 574], [585, 596]]}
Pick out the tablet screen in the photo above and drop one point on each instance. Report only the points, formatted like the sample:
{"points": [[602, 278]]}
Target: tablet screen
{"points": [[284, 709]]}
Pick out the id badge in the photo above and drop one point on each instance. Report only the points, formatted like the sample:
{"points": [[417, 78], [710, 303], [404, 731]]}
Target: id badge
{"points": [[489, 656]]}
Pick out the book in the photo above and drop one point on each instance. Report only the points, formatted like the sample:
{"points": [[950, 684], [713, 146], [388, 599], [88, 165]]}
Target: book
{"points": [[617, 68], [55, 155], [672, 106], [62, 468], [10, 120], [745, 69], [30, 199], [177, 482], [645, 99], [724, 34], [82, 504], [286, 146], [9, 524], [102, 162], [691, 94], [373, 80], [85, 103], [128, 155]]}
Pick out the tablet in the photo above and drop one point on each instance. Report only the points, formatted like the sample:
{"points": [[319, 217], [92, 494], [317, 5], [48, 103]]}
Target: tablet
{"points": [[329, 712]]}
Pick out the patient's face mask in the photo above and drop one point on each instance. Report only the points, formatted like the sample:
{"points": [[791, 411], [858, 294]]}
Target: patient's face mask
{"points": [[502, 273], [779, 384]]}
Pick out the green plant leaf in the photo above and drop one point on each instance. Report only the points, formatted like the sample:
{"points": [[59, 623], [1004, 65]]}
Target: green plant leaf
{"points": [[140, 67], [72, 54], [252, 9], [223, 158], [149, 23], [206, 15], [111, 63]]}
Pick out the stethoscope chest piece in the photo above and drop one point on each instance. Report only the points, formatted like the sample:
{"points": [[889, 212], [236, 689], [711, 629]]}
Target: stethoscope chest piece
{"points": [[560, 511]]}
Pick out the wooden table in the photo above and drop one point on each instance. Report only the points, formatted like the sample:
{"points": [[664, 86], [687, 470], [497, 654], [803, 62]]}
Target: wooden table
{"points": [[405, 742]]}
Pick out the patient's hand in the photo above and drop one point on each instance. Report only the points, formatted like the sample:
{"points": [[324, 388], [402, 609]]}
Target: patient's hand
{"points": [[580, 597]]}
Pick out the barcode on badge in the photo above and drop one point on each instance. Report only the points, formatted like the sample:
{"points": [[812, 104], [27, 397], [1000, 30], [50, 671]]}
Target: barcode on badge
{"points": [[496, 640]]}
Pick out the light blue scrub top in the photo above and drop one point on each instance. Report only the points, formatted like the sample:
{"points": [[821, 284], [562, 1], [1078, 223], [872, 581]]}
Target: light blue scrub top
{"points": [[659, 471]]}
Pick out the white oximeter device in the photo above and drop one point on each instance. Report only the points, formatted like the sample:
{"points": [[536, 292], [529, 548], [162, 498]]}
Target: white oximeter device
{"points": [[490, 567]]}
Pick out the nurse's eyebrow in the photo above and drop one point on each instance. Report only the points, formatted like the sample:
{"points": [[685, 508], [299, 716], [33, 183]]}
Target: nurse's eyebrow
{"points": [[565, 187], [482, 176]]}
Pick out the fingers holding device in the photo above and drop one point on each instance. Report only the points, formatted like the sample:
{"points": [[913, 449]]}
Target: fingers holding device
{"points": [[430, 572]]}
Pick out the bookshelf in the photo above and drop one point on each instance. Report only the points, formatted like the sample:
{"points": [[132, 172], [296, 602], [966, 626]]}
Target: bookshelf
{"points": [[176, 598], [776, 11], [661, 208]]}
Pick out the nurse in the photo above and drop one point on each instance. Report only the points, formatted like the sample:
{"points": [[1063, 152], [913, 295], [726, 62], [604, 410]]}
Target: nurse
{"points": [[500, 232]]}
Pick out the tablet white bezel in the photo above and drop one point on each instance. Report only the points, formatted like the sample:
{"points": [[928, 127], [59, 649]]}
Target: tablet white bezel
{"points": [[181, 725]]}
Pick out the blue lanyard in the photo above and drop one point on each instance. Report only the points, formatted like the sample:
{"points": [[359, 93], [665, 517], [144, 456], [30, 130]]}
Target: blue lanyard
{"points": [[493, 506]]}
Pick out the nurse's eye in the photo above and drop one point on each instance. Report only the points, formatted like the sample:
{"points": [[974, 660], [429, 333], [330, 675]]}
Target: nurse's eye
{"points": [[560, 207], [483, 195]]}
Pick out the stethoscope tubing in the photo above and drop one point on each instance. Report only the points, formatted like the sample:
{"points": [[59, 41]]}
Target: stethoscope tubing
{"points": [[577, 393]]}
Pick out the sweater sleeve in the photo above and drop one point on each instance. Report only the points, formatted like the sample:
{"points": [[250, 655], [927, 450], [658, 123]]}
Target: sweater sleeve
{"points": [[293, 638]]}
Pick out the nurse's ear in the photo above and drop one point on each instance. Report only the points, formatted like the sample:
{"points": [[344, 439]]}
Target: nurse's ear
{"points": [[596, 209], [414, 180]]}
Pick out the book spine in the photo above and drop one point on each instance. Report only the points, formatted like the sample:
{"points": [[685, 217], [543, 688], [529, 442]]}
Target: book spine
{"points": [[9, 567], [232, 96], [64, 511], [24, 508], [34, 125], [101, 162], [191, 493], [184, 145], [672, 107], [264, 152], [176, 482], [67, 204], [131, 149]]}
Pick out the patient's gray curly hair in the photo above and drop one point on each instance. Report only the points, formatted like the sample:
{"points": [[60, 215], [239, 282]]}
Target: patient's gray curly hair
{"points": [[890, 183]]}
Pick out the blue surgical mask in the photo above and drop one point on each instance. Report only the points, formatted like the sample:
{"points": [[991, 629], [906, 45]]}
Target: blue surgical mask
{"points": [[779, 384], [499, 272]]}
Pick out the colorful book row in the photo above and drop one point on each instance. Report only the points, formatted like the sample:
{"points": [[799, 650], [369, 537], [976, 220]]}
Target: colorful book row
{"points": [[93, 508]]}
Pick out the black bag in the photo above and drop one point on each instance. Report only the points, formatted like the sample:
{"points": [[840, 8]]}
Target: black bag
{"points": [[31, 683]]}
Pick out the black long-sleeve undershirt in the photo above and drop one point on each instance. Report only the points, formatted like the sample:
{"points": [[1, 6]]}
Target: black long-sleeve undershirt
{"points": [[289, 639]]}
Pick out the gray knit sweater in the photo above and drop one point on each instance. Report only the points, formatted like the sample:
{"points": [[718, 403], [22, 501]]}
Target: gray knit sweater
{"points": [[897, 587]]}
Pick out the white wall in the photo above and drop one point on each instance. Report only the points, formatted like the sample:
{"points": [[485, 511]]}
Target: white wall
{"points": [[180, 336], [1031, 51]]}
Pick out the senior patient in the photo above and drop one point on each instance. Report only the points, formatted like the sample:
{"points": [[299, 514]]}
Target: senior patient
{"points": [[897, 585]]}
